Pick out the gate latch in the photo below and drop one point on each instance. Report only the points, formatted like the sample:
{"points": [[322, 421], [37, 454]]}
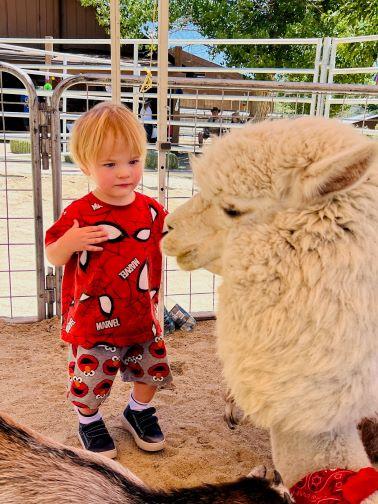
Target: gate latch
{"points": [[45, 134], [50, 297]]}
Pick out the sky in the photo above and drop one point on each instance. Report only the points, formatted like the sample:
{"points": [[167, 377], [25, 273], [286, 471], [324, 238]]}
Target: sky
{"points": [[199, 50]]}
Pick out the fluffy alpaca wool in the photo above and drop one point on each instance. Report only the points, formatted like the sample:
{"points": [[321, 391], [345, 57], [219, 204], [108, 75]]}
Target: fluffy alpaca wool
{"points": [[288, 213]]}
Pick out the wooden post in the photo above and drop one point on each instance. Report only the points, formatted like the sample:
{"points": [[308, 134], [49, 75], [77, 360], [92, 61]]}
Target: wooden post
{"points": [[49, 46], [115, 34]]}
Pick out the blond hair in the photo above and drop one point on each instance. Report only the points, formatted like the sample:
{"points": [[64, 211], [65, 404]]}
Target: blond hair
{"points": [[93, 127]]}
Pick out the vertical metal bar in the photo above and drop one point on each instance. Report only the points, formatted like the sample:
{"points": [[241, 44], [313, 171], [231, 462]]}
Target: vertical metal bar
{"points": [[195, 125], [162, 94], [221, 114], [332, 60], [343, 105], [296, 105], [365, 110], [136, 71], [56, 160], [316, 74], [331, 67], [323, 73], [115, 33], [56, 177], [64, 110], [163, 25]]}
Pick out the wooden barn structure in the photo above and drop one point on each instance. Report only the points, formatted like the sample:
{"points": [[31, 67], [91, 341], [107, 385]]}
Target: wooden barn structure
{"points": [[54, 18]]}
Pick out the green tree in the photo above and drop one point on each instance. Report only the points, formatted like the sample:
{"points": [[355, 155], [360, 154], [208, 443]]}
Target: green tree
{"points": [[136, 15], [262, 19]]}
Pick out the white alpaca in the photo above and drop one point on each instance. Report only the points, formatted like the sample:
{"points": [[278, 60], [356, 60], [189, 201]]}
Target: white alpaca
{"points": [[288, 213]]}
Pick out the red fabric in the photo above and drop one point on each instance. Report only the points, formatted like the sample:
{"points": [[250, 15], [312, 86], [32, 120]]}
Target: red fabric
{"points": [[111, 296], [361, 485], [338, 486]]}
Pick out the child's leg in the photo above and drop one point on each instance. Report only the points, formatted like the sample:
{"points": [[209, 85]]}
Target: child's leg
{"points": [[146, 365], [87, 411], [141, 395], [87, 416], [92, 372]]}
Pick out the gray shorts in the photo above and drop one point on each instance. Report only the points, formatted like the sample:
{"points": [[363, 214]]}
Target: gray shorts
{"points": [[92, 371]]}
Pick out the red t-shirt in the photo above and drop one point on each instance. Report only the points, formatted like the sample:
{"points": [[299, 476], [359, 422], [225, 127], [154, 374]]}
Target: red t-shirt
{"points": [[111, 296]]}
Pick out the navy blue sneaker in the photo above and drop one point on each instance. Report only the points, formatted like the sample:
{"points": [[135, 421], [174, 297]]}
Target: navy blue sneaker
{"points": [[145, 429], [95, 438]]}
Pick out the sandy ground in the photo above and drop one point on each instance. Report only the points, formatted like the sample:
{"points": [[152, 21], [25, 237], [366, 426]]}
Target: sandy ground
{"points": [[200, 447]]}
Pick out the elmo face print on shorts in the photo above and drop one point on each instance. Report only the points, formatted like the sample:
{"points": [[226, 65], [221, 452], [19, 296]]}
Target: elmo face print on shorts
{"points": [[102, 389], [135, 369], [87, 364], [78, 387], [157, 348], [159, 371], [134, 354], [111, 366]]}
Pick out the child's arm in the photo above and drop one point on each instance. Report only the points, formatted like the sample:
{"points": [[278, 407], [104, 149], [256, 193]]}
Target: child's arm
{"points": [[74, 240]]}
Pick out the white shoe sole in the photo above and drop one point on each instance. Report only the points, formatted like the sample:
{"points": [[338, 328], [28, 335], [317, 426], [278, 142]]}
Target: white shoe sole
{"points": [[109, 454], [143, 445]]}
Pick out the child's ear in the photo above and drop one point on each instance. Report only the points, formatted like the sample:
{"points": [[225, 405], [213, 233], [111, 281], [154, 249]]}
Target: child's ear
{"points": [[338, 172]]}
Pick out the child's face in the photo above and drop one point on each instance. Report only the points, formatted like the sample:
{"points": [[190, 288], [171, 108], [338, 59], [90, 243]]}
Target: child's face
{"points": [[116, 173]]}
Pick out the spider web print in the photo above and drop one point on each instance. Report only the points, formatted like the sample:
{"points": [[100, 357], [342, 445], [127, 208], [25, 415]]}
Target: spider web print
{"points": [[117, 289]]}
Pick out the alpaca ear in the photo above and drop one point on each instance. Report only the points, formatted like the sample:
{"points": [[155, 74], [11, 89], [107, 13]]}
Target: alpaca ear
{"points": [[277, 478], [339, 172]]}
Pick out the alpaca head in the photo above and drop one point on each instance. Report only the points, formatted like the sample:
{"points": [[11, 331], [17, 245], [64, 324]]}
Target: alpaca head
{"points": [[258, 170]]}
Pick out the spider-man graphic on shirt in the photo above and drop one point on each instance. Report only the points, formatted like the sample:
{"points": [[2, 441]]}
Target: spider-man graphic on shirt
{"points": [[111, 296]]}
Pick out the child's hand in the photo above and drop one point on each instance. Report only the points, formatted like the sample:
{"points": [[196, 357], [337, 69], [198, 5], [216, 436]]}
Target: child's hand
{"points": [[78, 238]]}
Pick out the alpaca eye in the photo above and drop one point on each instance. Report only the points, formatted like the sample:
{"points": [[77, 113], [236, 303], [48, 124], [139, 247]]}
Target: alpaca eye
{"points": [[231, 212]]}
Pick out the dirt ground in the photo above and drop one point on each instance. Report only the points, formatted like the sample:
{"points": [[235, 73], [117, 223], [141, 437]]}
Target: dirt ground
{"points": [[200, 446]]}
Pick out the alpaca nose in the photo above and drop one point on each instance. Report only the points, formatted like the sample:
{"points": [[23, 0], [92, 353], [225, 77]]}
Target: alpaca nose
{"points": [[167, 228]]}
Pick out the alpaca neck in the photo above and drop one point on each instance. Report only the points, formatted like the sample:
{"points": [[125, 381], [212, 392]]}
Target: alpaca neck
{"points": [[296, 454]]}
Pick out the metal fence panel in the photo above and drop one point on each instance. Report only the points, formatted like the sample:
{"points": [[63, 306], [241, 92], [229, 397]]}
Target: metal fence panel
{"points": [[195, 291], [22, 277]]}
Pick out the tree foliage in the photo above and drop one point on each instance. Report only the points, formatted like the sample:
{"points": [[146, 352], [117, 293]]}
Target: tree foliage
{"points": [[262, 19]]}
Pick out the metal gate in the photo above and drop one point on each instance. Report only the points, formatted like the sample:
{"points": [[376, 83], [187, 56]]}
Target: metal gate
{"points": [[22, 272]]}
